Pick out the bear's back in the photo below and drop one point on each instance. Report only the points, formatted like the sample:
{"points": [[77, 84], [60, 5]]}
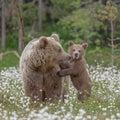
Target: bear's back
{"points": [[26, 52]]}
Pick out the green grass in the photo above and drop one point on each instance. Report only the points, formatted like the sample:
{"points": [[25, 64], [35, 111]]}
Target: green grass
{"points": [[93, 57], [9, 60], [101, 56]]}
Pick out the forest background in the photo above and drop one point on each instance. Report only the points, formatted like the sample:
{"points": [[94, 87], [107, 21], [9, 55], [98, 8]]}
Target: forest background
{"points": [[96, 22]]}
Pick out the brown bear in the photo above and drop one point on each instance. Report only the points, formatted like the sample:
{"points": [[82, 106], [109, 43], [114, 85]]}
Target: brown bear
{"points": [[39, 64], [77, 70]]}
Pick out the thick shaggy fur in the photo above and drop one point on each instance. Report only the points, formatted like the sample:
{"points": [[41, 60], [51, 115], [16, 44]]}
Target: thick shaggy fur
{"points": [[39, 64], [77, 70]]}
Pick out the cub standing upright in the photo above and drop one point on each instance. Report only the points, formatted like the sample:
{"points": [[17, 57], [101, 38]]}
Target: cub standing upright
{"points": [[77, 70]]}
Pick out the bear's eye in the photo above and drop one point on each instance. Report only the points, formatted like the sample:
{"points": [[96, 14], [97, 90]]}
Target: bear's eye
{"points": [[73, 49], [79, 51]]}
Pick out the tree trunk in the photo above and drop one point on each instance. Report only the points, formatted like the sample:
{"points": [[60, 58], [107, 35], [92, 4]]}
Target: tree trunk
{"points": [[40, 6], [112, 42], [3, 24], [21, 41]]}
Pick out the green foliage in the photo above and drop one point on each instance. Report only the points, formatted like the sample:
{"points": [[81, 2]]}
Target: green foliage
{"points": [[61, 8], [11, 40], [72, 20], [29, 14], [80, 25], [109, 13]]}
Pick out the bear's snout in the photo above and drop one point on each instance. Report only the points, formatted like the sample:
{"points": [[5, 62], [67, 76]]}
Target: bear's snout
{"points": [[68, 57], [76, 54]]}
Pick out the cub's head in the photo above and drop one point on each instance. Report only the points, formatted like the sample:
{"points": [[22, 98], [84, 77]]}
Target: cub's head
{"points": [[77, 50]]}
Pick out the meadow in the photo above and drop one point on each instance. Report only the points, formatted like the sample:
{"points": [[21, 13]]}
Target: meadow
{"points": [[104, 103], [96, 22]]}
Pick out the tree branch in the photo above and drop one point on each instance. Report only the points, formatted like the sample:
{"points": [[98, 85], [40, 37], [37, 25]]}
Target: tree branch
{"points": [[9, 52]]}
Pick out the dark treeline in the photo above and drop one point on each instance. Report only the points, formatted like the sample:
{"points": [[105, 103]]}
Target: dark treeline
{"points": [[22, 20]]}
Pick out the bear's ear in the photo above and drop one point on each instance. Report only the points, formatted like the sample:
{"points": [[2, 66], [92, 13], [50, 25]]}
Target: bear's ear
{"points": [[56, 37], [85, 45], [43, 42], [70, 43]]}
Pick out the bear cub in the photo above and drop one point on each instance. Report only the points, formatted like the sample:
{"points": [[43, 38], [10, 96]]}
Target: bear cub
{"points": [[77, 70]]}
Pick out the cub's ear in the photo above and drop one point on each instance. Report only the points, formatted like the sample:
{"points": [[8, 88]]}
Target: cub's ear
{"points": [[85, 45], [43, 42], [70, 43], [56, 37]]}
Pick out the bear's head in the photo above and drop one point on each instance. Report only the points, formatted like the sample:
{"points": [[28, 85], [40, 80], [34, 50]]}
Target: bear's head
{"points": [[77, 50], [51, 50]]}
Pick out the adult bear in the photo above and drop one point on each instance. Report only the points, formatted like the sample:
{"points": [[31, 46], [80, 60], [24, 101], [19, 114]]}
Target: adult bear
{"points": [[39, 64]]}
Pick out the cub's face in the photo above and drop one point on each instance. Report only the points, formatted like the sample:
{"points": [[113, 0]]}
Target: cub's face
{"points": [[77, 50]]}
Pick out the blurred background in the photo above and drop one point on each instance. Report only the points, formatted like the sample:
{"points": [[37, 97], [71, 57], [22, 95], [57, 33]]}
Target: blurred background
{"points": [[96, 22]]}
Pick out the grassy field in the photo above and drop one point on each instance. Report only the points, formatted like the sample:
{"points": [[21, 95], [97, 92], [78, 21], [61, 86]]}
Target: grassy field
{"points": [[93, 57], [104, 103], [9, 60]]}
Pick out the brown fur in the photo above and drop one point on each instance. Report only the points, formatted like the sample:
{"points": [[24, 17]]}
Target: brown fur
{"points": [[39, 64], [77, 70]]}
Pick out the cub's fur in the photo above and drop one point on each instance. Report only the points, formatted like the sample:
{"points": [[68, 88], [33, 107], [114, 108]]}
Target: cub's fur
{"points": [[77, 70]]}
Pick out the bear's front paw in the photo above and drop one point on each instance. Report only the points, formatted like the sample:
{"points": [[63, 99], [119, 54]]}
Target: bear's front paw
{"points": [[59, 73]]}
